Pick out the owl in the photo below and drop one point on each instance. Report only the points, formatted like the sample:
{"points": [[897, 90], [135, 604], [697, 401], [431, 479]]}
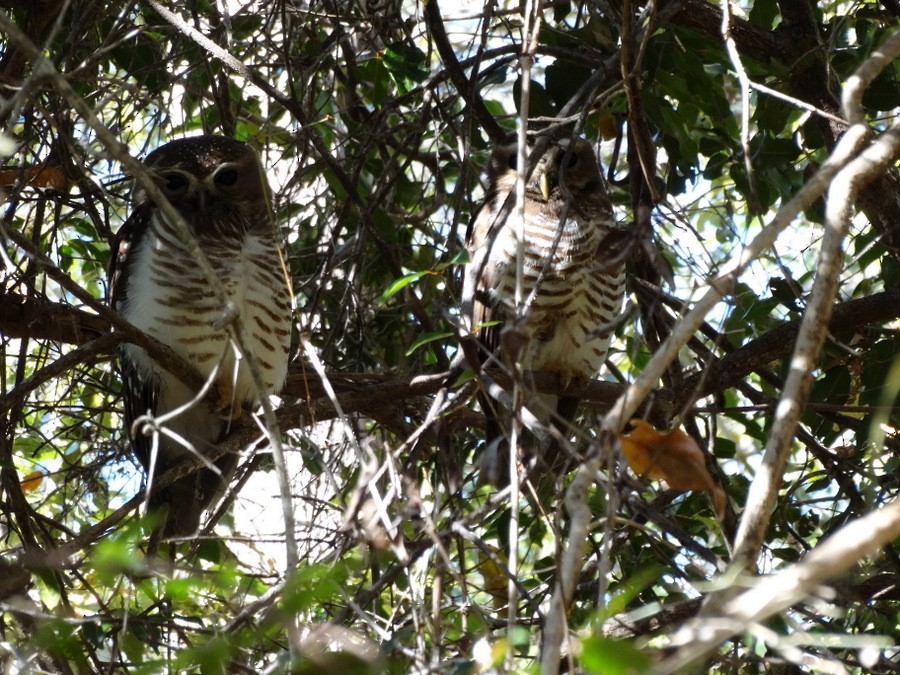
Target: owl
{"points": [[218, 187], [571, 286]]}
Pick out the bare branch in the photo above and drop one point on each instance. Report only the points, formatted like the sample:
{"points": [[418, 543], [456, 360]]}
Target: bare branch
{"points": [[777, 592], [874, 159]]}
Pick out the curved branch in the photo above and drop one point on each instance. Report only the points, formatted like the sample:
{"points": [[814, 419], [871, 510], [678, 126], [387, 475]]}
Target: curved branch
{"points": [[448, 57], [779, 591]]}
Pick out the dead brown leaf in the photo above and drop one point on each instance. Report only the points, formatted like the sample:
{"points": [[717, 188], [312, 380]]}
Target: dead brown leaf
{"points": [[672, 456]]}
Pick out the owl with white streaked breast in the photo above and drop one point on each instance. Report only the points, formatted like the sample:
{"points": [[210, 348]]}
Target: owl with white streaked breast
{"points": [[571, 288], [218, 187]]}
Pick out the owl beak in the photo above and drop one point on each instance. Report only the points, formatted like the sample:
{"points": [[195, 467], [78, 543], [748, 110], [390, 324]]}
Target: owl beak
{"points": [[545, 185]]}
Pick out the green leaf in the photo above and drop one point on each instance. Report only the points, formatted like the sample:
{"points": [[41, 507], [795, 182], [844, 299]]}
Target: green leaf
{"points": [[635, 583], [540, 103], [563, 80], [429, 337], [178, 590], [311, 585], [375, 73], [770, 151], [604, 656], [763, 13], [49, 593], [407, 66], [402, 283]]}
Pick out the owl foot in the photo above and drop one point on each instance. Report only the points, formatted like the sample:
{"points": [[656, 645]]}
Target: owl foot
{"points": [[575, 380], [568, 377], [225, 403]]}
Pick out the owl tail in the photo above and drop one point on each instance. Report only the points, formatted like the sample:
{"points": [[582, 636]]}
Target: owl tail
{"points": [[536, 458], [179, 508], [181, 505]]}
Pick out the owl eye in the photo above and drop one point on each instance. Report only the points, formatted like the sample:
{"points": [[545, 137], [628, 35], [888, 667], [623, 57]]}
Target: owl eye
{"points": [[573, 159], [226, 177], [176, 183], [513, 161]]}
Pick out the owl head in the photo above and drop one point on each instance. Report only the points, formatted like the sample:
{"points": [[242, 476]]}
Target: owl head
{"points": [[572, 165], [565, 163], [208, 177]]}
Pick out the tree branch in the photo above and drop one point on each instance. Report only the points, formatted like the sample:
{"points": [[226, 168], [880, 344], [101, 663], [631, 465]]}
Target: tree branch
{"points": [[438, 34], [810, 339], [39, 319], [379, 395], [779, 591], [733, 368]]}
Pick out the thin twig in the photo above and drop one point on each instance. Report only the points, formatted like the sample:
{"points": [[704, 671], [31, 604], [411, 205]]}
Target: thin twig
{"points": [[744, 80], [531, 29], [796, 102]]}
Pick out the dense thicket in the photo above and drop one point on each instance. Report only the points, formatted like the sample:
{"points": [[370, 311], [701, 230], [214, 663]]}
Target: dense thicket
{"points": [[758, 165]]}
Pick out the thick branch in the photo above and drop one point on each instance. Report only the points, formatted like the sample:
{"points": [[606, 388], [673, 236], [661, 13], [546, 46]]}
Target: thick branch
{"points": [[376, 395], [733, 368], [22, 317], [455, 71]]}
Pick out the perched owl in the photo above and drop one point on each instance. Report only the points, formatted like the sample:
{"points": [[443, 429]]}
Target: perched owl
{"points": [[574, 289], [218, 186]]}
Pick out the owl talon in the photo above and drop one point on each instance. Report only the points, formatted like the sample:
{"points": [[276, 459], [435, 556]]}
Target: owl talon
{"points": [[568, 378], [225, 403], [573, 380]]}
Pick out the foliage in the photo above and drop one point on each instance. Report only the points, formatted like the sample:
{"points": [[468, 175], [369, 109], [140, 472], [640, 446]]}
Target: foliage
{"points": [[375, 121]]}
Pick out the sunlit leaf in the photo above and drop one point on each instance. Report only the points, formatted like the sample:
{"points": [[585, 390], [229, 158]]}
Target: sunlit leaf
{"points": [[672, 456], [429, 337], [402, 283], [32, 481]]}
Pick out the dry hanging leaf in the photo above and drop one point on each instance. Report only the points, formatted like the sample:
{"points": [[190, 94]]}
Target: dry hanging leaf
{"points": [[32, 481], [607, 127], [672, 456], [41, 177]]}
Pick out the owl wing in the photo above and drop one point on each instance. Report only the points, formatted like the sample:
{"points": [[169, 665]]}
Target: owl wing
{"points": [[489, 269], [483, 277], [140, 390], [486, 281]]}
